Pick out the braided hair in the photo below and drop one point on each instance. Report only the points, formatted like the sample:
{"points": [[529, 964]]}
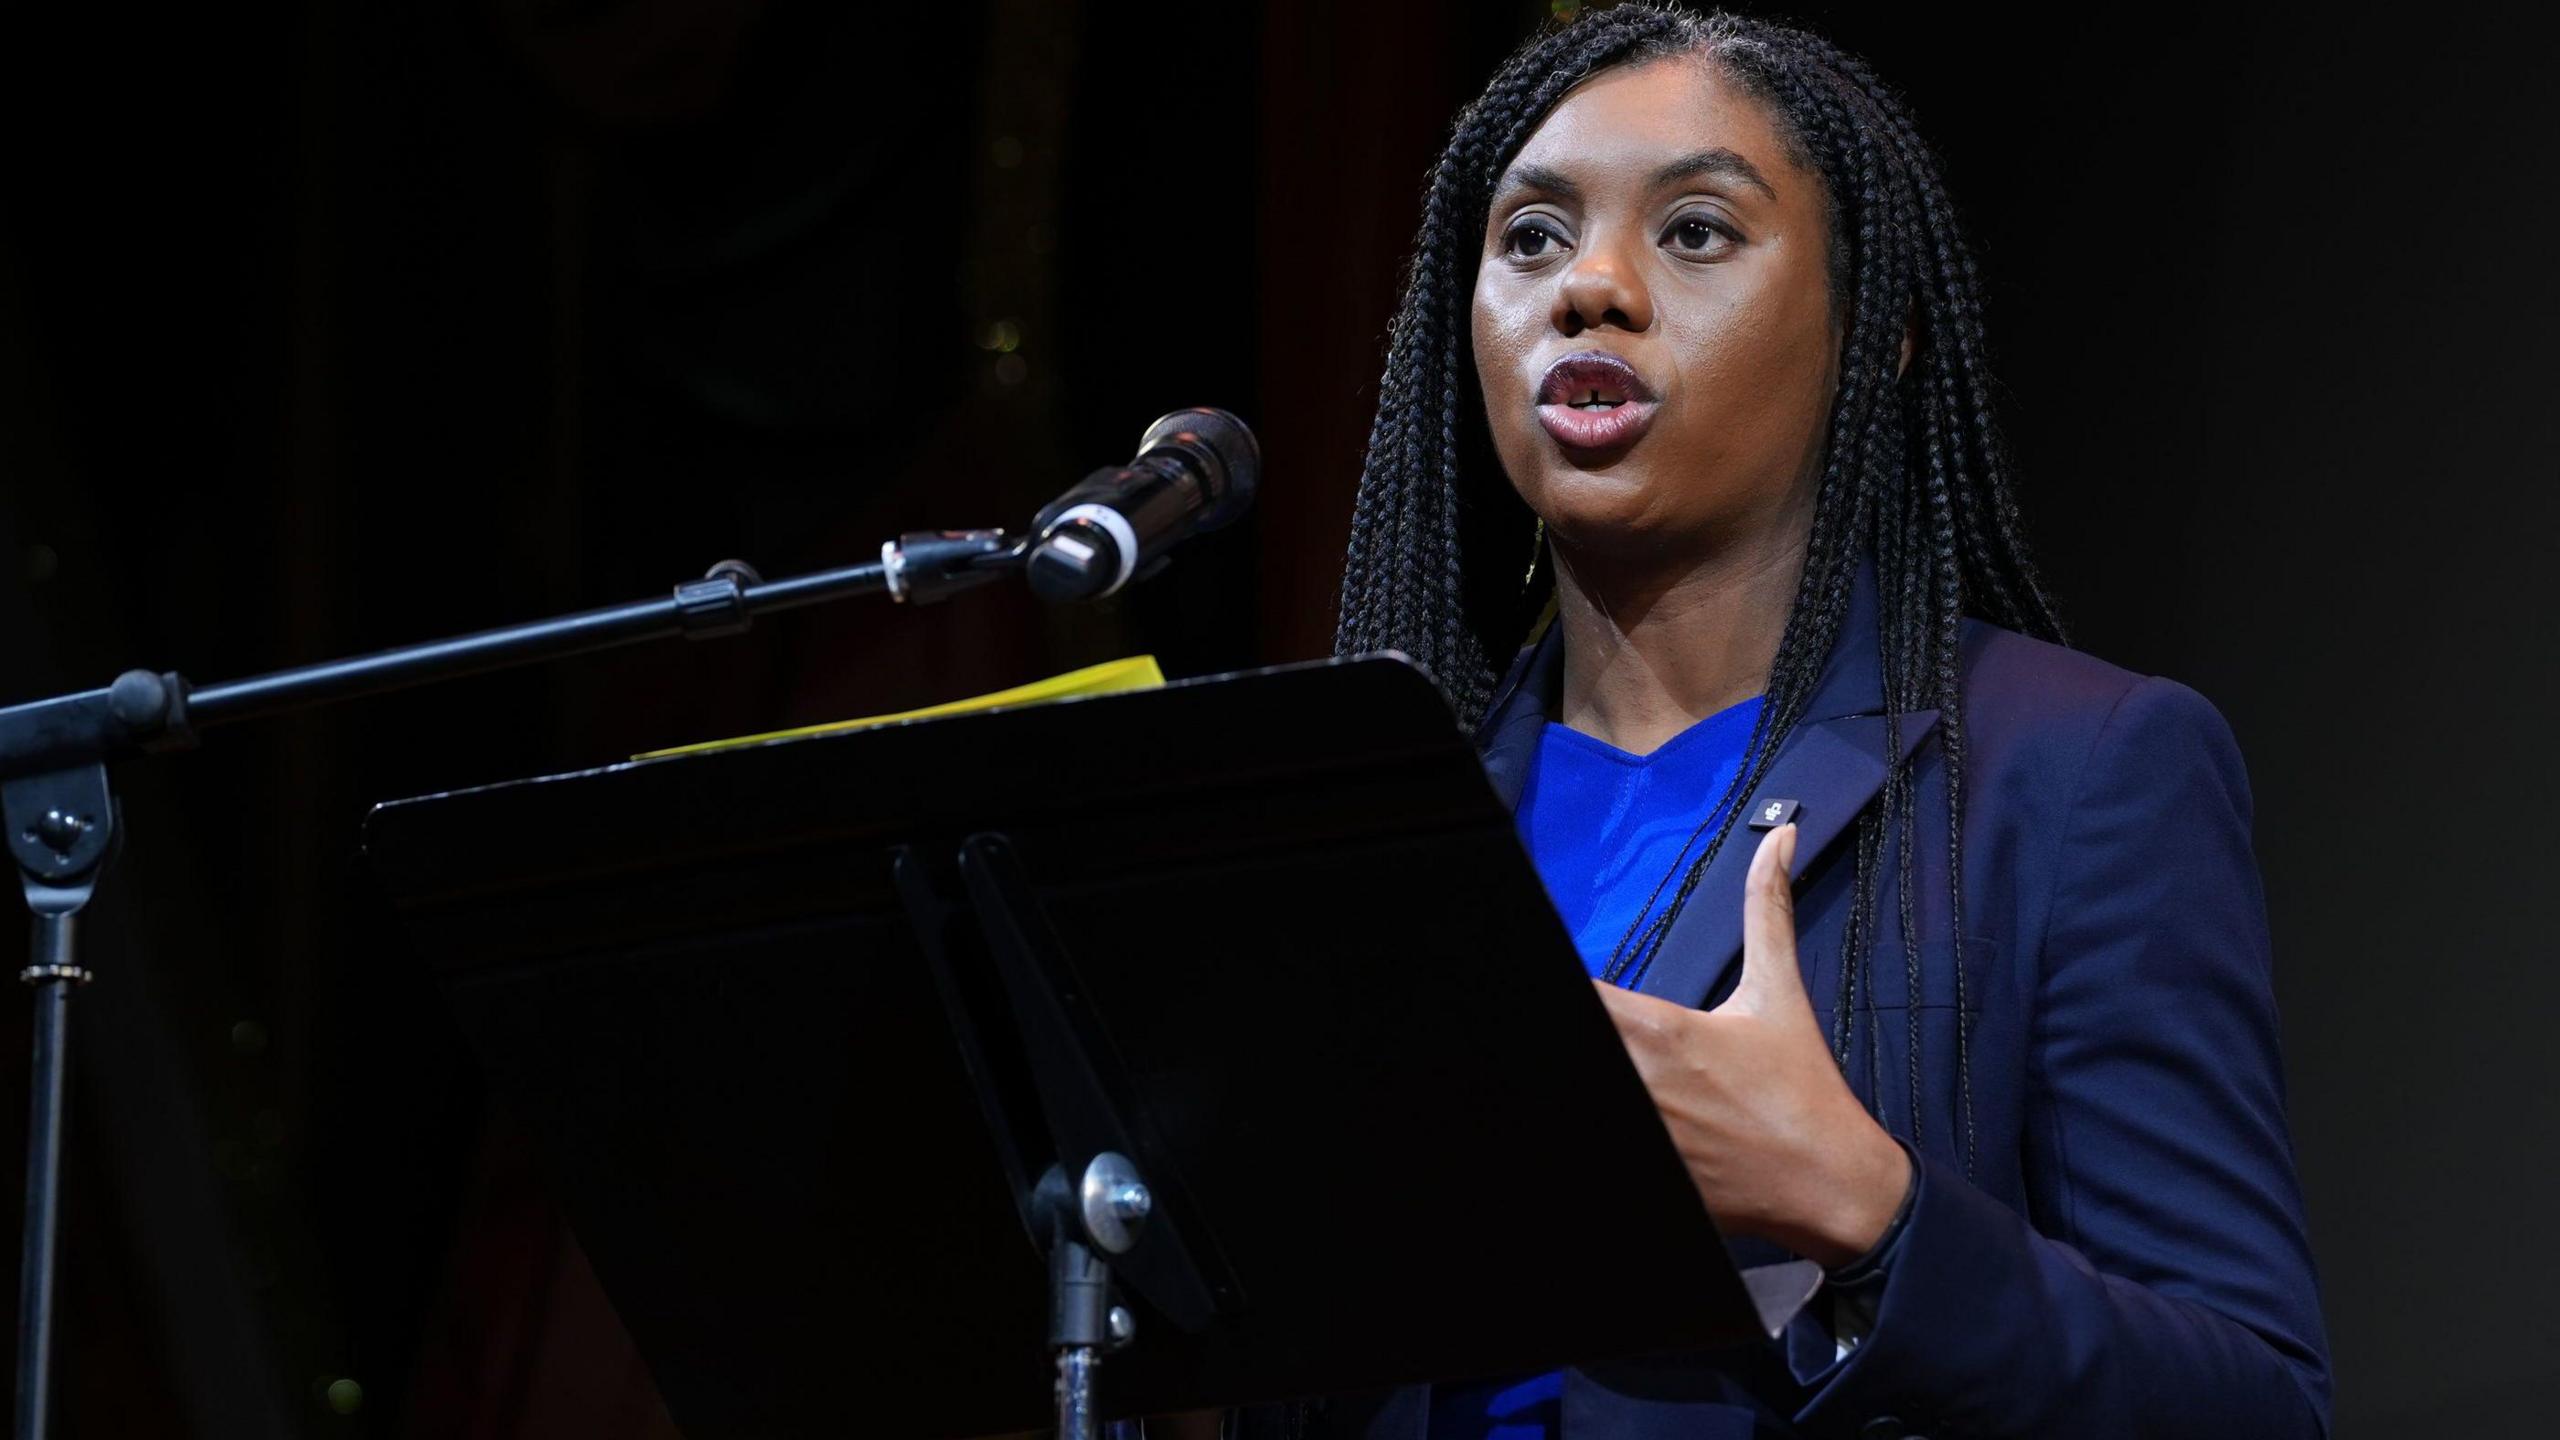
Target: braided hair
{"points": [[1914, 480]]}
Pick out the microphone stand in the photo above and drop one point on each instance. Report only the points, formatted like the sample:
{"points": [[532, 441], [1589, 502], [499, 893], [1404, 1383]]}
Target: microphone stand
{"points": [[60, 807]]}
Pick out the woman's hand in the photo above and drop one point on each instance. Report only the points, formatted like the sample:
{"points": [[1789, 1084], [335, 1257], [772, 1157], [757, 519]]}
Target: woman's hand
{"points": [[1779, 1147]]}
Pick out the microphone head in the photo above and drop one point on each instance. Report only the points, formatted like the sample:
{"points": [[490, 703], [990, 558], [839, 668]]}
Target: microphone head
{"points": [[1228, 456]]}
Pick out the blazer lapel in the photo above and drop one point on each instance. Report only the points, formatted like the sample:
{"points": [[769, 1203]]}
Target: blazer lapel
{"points": [[1830, 769], [1517, 717], [1831, 766]]}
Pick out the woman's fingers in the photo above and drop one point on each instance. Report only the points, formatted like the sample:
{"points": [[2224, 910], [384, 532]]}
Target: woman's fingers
{"points": [[1770, 982], [1778, 1145]]}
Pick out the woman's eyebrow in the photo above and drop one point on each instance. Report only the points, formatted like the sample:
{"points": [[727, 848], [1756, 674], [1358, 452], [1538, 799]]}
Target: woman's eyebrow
{"points": [[1718, 161], [1537, 177]]}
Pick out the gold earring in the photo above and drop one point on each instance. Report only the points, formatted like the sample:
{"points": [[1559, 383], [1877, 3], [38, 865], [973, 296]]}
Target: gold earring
{"points": [[1537, 552]]}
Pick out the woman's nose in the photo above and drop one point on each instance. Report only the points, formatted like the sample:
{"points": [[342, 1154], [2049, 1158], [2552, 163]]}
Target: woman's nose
{"points": [[1603, 287]]}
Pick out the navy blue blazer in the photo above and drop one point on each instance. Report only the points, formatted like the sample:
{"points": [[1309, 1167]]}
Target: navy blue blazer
{"points": [[2127, 1256]]}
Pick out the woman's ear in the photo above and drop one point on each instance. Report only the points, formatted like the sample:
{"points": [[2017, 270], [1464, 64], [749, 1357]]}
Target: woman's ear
{"points": [[1910, 339]]}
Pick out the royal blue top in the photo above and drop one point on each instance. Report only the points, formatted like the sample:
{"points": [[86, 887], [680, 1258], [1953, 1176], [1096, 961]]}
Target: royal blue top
{"points": [[1603, 828]]}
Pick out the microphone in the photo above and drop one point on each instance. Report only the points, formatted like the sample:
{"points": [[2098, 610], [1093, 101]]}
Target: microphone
{"points": [[1196, 470]]}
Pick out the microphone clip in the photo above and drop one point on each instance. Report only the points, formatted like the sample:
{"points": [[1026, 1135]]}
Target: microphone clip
{"points": [[923, 566]]}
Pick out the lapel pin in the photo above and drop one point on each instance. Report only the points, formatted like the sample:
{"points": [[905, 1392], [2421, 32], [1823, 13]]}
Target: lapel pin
{"points": [[1771, 814]]}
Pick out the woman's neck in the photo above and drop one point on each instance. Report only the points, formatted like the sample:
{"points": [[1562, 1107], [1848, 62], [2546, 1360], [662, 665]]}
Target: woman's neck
{"points": [[1648, 655]]}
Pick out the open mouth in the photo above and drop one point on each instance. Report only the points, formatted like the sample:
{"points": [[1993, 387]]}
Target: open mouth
{"points": [[1595, 401]]}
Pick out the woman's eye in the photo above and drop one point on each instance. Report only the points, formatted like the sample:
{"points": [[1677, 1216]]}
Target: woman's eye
{"points": [[1697, 234], [1529, 239]]}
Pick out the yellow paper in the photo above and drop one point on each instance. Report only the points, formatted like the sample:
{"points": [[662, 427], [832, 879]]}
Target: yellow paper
{"points": [[1138, 672]]}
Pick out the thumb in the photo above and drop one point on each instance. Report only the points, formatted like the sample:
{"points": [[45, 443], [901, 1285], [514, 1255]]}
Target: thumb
{"points": [[1770, 980]]}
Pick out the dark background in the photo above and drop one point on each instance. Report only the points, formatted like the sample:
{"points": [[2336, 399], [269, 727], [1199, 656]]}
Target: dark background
{"points": [[333, 326]]}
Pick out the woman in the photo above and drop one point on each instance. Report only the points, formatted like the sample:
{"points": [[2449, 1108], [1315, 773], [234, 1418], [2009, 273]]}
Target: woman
{"points": [[1986, 1029]]}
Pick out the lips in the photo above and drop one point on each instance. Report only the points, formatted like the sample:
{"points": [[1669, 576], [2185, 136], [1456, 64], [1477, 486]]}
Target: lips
{"points": [[1594, 401]]}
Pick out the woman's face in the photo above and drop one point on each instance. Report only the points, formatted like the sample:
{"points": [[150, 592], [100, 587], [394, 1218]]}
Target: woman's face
{"points": [[1653, 324]]}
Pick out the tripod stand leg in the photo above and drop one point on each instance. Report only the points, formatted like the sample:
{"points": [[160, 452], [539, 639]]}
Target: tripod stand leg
{"points": [[52, 973]]}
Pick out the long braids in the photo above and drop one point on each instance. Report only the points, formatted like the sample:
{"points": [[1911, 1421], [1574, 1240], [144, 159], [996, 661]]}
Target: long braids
{"points": [[1914, 479]]}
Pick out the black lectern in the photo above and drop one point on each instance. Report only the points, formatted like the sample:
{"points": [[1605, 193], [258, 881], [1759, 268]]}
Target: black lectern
{"points": [[802, 1026]]}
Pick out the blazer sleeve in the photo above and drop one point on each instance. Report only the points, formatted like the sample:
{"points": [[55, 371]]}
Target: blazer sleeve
{"points": [[2165, 1286]]}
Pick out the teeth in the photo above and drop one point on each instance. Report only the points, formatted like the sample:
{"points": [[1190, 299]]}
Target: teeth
{"points": [[1592, 397]]}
